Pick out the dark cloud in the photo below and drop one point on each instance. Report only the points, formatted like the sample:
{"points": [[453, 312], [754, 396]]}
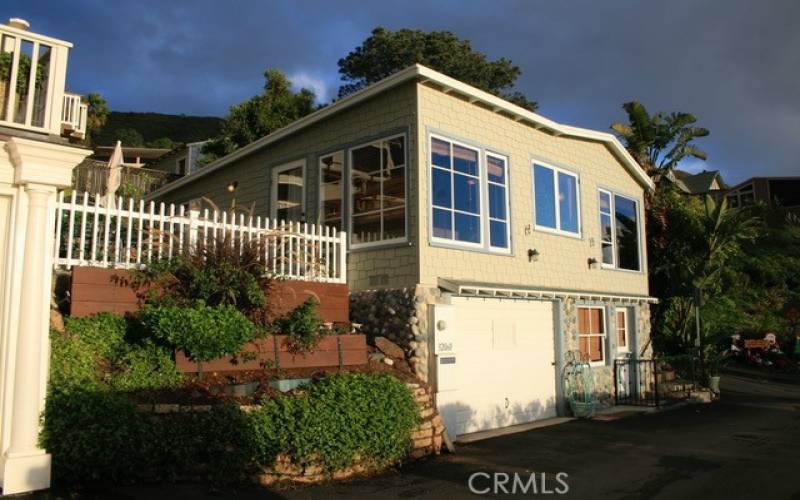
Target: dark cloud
{"points": [[734, 63]]}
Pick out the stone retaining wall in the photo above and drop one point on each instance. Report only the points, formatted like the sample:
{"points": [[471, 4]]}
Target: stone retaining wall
{"points": [[426, 439], [401, 315]]}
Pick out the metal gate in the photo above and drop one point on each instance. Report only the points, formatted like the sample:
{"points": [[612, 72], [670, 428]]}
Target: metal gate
{"points": [[635, 382]]}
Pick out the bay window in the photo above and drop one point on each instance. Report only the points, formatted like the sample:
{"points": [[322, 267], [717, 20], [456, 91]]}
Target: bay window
{"points": [[378, 189], [619, 231], [459, 186], [556, 198]]}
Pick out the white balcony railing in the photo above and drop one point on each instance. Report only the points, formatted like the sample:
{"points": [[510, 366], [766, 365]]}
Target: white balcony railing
{"points": [[33, 71], [73, 115]]}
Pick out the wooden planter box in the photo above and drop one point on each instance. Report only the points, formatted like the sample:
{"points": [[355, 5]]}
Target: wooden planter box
{"points": [[272, 352]]}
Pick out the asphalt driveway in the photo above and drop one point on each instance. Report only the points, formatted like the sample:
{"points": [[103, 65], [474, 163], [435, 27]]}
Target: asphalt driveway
{"points": [[745, 446]]}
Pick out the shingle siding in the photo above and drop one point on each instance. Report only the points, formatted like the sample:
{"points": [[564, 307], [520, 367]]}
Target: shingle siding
{"points": [[562, 261]]}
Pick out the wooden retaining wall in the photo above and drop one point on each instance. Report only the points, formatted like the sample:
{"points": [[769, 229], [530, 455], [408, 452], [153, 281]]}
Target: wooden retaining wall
{"points": [[272, 352], [95, 289]]}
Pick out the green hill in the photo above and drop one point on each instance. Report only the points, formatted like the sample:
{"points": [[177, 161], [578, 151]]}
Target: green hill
{"points": [[153, 126]]}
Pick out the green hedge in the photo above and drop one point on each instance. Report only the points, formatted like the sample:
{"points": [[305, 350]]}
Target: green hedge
{"points": [[337, 419], [203, 332], [106, 350], [97, 435]]}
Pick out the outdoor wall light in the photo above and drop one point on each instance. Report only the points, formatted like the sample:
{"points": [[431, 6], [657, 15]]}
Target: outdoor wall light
{"points": [[533, 255], [593, 264], [232, 186]]}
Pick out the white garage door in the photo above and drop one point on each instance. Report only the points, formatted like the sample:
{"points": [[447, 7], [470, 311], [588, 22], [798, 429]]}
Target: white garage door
{"points": [[500, 371]]}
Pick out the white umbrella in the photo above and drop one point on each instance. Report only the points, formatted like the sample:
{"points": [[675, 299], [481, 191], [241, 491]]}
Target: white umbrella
{"points": [[114, 174]]}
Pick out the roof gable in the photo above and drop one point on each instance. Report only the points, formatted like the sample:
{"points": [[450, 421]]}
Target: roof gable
{"points": [[425, 75]]}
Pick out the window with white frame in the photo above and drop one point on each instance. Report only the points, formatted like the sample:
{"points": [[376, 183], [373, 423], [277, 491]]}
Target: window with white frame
{"points": [[619, 231], [331, 169], [592, 334], [458, 182], [378, 190], [621, 326], [556, 198]]}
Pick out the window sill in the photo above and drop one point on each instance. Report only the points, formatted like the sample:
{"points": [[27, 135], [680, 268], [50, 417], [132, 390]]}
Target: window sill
{"points": [[449, 245], [380, 245], [558, 232], [606, 267]]}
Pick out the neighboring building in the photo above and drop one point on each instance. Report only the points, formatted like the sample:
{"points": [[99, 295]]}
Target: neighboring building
{"points": [[134, 157], [705, 182], [779, 194], [180, 161], [38, 121], [510, 238]]}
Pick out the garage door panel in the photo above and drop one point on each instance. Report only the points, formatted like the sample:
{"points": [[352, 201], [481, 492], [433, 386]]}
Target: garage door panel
{"points": [[504, 371]]}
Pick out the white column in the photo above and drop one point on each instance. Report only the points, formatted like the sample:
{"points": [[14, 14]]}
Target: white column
{"points": [[26, 466]]}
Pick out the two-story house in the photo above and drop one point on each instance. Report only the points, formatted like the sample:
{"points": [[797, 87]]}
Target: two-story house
{"points": [[502, 239]]}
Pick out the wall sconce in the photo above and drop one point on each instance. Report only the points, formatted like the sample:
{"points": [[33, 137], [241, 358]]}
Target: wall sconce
{"points": [[232, 186], [533, 255], [593, 264]]}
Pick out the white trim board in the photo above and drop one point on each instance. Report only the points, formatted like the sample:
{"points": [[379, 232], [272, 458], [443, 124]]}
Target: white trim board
{"points": [[448, 84]]}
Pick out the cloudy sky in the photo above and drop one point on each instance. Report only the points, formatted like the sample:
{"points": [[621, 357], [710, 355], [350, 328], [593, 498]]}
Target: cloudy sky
{"points": [[733, 63]]}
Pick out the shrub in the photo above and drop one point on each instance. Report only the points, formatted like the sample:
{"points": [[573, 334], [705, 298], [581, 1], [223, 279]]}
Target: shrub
{"points": [[93, 435], [339, 419], [94, 353], [221, 272], [145, 366], [99, 436], [203, 332], [302, 326]]}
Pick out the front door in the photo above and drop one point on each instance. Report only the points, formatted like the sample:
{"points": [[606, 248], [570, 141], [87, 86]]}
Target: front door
{"points": [[288, 192]]}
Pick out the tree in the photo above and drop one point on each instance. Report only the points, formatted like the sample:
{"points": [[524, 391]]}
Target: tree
{"points": [[659, 141], [130, 137], [261, 115], [96, 115], [386, 52], [692, 245], [161, 143]]}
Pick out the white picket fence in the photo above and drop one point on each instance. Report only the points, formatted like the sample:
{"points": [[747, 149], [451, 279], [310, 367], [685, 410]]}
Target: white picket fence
{"points": [[129, 235]]}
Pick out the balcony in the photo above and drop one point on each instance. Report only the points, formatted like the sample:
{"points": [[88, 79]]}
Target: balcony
{"points": [[33, 70]]}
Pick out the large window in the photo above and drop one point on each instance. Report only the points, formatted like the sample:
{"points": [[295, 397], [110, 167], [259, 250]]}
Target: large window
{"points": [[378, 187], [557, 203], [331, 168], [458, 181], [592, 334], [619, 231]]}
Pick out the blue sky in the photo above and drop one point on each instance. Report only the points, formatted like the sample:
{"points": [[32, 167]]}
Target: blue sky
{"points": [[733, 63]]}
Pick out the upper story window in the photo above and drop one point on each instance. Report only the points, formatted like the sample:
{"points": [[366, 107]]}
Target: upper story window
{"points": [[556, 198], [331, 168], [619, 231], [458, 185], [378, 188]]}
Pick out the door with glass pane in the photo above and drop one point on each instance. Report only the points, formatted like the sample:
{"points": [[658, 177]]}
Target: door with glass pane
{"points": [[288, 192]]}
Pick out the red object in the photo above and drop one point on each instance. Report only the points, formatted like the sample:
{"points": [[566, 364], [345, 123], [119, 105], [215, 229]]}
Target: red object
{"points": [[95, 289], [353, 349]]}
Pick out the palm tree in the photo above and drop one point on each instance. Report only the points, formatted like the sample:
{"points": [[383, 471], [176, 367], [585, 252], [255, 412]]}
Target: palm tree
{"points": [[659, 141]]}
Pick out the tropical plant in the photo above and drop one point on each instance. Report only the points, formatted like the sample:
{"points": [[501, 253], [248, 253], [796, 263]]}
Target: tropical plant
{"points": [[386, 52], [96, 115], [691, 247], [658, 142]]}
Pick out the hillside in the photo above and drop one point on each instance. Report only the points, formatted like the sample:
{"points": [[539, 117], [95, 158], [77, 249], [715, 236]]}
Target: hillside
{"points": [[152, 126]]}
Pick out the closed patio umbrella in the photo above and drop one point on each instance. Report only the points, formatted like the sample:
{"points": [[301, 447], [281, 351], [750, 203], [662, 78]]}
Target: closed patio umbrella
{"points": [[114, 174]]}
